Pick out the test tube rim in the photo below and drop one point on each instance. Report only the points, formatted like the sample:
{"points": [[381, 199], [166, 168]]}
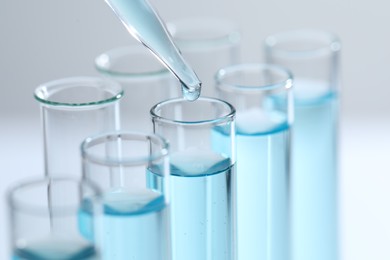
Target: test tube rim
{"points": [[230, 37], [126, 135], [286, 84], [105, 69], [42, 95], [221, 119], [331, 43], [19, 206]]}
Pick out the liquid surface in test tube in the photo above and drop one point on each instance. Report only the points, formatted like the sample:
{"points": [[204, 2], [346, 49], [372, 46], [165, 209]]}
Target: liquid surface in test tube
{"points": [[144, 24], [201, 205], [133, 225], [51, 248]]}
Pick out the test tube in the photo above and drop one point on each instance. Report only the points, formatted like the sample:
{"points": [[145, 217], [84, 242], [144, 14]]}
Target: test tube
{"points": [[261, 94], [144, 80], [202, 163], [32, 212], [313, 58], [208, 44], [132, 170], [72, 109]]}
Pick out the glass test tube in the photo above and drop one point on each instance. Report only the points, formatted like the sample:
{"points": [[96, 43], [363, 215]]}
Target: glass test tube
{"points": [[202, 162], [145, 82], [208, 44], [32, 213], [313, 58], [132, 169], [71, 110], [262, 96]]}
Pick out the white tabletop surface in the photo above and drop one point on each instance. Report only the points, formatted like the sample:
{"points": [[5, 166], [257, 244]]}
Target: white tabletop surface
{"points": [[364, 180]]}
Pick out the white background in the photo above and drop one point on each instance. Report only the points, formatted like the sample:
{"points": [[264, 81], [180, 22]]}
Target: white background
{"points": [[42, 40]]}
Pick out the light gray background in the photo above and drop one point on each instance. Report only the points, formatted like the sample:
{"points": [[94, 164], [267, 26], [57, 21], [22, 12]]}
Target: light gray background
{"points": [[42, 40]]}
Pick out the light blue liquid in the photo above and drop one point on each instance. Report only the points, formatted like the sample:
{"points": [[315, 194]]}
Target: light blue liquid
{"points": [[56, 251], [144, 24], [133, 230], [262, 188], [201, 207], [314, 179]]}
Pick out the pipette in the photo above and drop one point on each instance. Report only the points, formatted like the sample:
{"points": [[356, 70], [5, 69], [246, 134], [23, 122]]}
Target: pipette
{"points": [[146, 26]]}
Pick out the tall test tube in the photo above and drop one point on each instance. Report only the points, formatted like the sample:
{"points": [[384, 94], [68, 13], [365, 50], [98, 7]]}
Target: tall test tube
{"points": [[71, 110], [261, 94], [313, 58], [203, 178], [132, 170]]}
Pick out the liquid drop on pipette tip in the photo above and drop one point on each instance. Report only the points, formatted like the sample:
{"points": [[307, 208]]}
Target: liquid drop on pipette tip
{"points": [[191, 94]]}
